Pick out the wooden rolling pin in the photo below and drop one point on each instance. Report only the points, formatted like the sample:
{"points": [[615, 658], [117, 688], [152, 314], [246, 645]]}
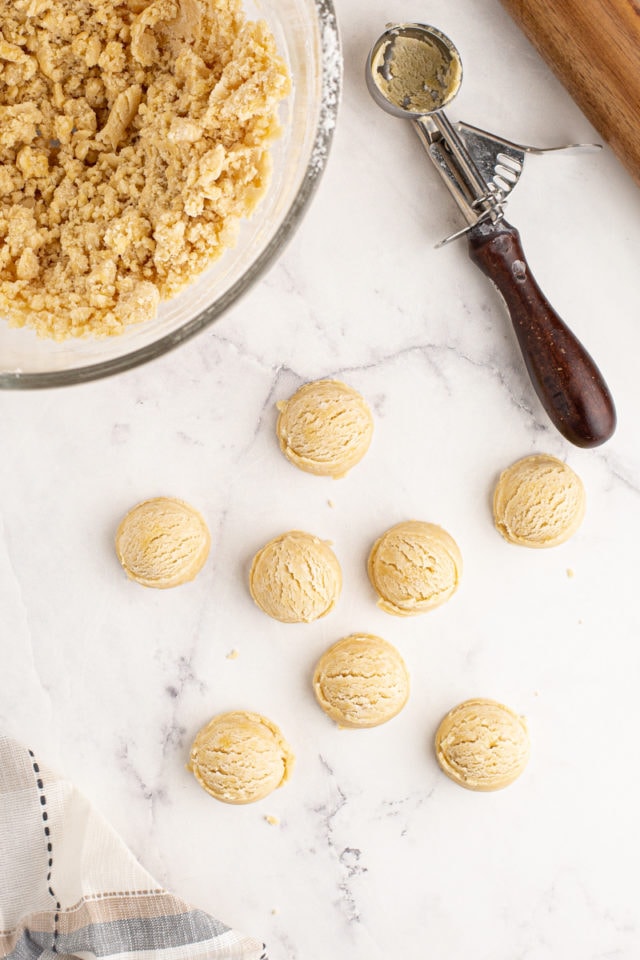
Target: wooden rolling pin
{"points": [[593, 47]]}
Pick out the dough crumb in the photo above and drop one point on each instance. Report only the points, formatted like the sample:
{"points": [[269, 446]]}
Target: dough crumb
{"points": [[272, 821], [133, 138], [232, 655]]}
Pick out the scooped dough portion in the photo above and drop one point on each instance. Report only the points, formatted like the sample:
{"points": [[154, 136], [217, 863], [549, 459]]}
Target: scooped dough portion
{"points": [[361, 681], [414, 567], [482, 745], [538, 502], [295, 578], [240, 757], [325, 428], [415, 74], [162, 542]]}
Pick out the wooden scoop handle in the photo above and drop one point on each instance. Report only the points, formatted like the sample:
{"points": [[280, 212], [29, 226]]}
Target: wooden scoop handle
{"points": [[566, 379], [593, 47]]}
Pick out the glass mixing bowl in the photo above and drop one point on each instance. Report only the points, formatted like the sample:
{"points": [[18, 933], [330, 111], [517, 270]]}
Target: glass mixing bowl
{"points": [[307, 37]]}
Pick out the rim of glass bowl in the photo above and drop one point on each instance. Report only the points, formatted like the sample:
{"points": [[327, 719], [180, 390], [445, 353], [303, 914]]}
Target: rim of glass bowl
{"points": [[331, 83]]}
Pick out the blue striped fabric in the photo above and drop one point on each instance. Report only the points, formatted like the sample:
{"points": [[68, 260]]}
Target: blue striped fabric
{"points": [[51, 840]]}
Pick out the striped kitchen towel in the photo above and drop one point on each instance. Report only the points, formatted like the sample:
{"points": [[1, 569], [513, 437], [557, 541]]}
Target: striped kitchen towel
{"points": [[70, 886]]}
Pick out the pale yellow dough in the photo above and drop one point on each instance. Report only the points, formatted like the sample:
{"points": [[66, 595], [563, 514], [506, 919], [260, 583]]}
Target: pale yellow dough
{"points": [[361, 681], [162, 543], [240, 757], [538, 502], [325, 428], [295, 578], [482, 745], [414, 567], [134, 136]]}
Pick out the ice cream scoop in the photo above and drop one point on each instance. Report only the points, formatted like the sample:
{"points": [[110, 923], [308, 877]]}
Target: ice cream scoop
{"points": [[325, 428], [413, 71], [162, 542], [482, 745], [361, 681], [414, 567], [539, 501], [240, 757], [295, 578]]}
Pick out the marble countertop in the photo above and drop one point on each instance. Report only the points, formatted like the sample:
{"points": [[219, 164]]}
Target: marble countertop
{"points": [[376, 854]]}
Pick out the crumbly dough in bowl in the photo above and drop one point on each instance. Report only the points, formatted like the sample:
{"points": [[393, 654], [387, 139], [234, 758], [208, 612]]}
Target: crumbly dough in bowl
{"points": [[133, 137]]}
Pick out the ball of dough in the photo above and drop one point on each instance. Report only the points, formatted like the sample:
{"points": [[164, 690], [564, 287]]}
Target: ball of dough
{"points": [[361, 681], [162, 543], [325, 428], [295, 578], [239, 757], [414, 567], [482, 745], [538, 502]]}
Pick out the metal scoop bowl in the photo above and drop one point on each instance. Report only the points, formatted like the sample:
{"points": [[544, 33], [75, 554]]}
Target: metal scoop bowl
{"points": [[413, 71]]}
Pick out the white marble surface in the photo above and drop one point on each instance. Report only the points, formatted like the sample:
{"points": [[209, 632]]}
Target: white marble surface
{"points": [[376, 854]]}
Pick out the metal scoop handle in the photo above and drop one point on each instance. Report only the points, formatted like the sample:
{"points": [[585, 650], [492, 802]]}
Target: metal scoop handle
{"points": [[566, 379]]}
